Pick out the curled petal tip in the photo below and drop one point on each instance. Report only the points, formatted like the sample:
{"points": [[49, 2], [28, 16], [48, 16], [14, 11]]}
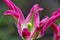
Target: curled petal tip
{"points": [[36, 5], [35, 8]]}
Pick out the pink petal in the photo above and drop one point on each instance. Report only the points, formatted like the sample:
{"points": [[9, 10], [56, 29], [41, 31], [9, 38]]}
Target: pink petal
{"points": [[34, 33], [15, 14], [58, 38], [39, 28], [56, 31], [55, 28], [42, 23], [12, 13], [54, 17], [34, 10], [12, 6], [19, 29], [50, 21], [9, 4], [59, 29], [41, 34], [36, 18], [56, 12]]}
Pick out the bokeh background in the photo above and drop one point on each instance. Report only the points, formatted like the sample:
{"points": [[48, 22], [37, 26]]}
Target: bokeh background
{"points": [[8, 30]]}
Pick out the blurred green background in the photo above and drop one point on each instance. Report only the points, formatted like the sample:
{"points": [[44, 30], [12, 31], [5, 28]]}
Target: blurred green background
{"points": [[8, 30]]}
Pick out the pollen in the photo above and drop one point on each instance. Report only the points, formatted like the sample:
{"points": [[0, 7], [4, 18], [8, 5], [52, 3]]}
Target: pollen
{"points": [[29, 24]]}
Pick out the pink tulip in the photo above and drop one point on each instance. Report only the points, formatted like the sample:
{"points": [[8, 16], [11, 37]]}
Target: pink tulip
{"points": [[56, 30], [53, 18], [50, 22], [27, 28], [30, 28]]}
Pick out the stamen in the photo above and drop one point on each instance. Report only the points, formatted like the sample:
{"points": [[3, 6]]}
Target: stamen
{"points": [[29, 24]]}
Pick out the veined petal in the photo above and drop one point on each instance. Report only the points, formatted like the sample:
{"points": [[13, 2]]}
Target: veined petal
{"points": [[56, 12], [12, 13], [9, 4], [50, 21], [54, 17], [55, 28], [12, 6], [15, 14], [22, 29], [36, 18], [58, 30], [19, 29], [42, 23], [38, 30], [34, 10]]}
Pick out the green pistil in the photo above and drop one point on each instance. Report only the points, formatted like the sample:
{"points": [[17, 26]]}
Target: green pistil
{"points": [[29, 26]]}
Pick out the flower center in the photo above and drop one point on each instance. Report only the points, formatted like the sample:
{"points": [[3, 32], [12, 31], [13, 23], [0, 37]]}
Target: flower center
{"points": [[29, 25]]}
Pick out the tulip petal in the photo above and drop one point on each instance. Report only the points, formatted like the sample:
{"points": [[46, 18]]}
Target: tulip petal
{"points": [[15, 14], [9, 4], [36, 19], [19, 29], [42, 23], [56, 31], [34, 10], [54, 17], [22, 30], [38, 30], [12, 6], [50, 21], [59, 29], [56, 12], [12, 13], [55, 28]]}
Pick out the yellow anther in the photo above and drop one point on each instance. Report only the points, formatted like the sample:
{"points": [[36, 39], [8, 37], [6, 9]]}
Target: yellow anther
{"points": [[29, 24]]}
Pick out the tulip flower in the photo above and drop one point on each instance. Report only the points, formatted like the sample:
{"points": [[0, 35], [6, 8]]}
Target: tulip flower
{"points": [[29, 28], [51, 23], [56, 30]]}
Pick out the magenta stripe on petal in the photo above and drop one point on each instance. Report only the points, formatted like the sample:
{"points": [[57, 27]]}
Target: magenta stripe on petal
{"points": [[36, 18], [50, 21], [25, 32], [12, 13], [19, 29], [56, 12], [35, 9], [43, 21], [12, 6], [9, 4], [55, 28]]}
